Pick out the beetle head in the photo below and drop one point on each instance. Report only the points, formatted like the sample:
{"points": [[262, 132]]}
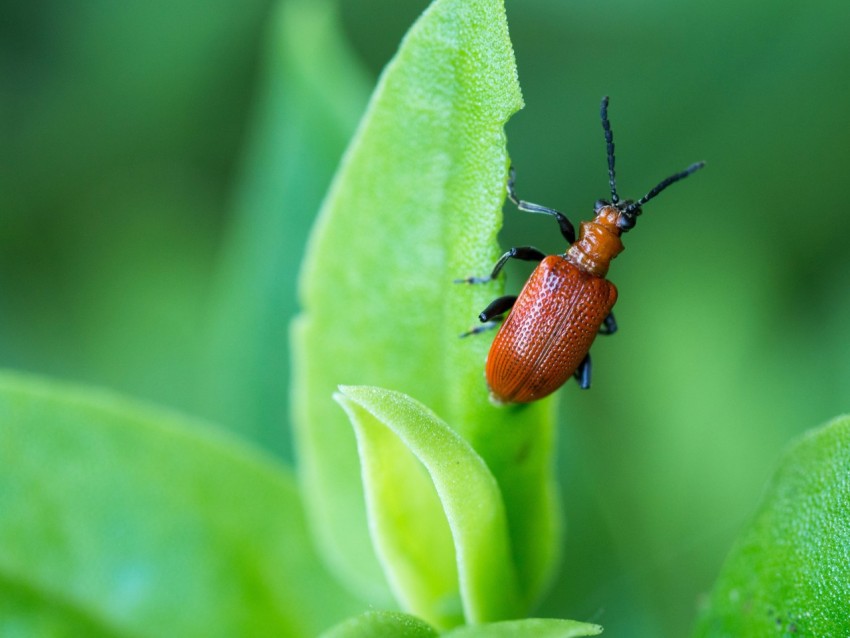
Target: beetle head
{"points": [[628, 215], [623, 215]]}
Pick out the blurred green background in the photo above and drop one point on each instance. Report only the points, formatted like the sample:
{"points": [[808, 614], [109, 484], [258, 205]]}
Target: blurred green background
{"points": [[161, 164]]}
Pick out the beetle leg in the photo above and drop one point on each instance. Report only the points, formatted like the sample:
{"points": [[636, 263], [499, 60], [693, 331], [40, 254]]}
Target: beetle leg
{"points": [[491, 316], [566, 226], [499, 307], [609, 326], [525, 253], [484, 327], [582, 373]]}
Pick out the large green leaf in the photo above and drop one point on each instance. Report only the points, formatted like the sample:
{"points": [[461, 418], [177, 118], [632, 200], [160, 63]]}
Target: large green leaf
{"points": [[311, 97], [416, 204], [121, 520], [789, 574]]}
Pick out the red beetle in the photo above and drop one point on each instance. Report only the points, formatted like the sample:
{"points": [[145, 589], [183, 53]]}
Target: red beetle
{"points": [[566, 302]]}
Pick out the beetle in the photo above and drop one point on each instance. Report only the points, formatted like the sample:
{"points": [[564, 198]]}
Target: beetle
{"points": [[549, 328]]}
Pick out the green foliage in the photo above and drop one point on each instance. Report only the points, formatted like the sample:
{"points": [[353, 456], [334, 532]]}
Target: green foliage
{"points": [[415, 205], [117, 519], [531, 628], [312, 95], [789, 573], [397, 625], [378, 624], [120, 134], [434, 545]]}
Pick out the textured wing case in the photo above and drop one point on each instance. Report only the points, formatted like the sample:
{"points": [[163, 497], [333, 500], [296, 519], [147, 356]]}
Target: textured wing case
{"points": [[548, 332]]}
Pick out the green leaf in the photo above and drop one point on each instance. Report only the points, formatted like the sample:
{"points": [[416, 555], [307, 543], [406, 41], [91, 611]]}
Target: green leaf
{"points": [[311, 97], [381, 624], [789, 573], [121, 520], [530, 628], [416, 204], [442, 534]]}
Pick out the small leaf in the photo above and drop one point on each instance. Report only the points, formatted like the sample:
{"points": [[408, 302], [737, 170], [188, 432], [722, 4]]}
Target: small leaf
{"points": [[121, 520], [415, 205], [789, 573], [381, 624], [530, 628], [413, 530]]}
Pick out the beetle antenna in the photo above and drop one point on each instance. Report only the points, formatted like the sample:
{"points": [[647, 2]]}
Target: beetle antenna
{"points": [[609, 141], [664, 184]]}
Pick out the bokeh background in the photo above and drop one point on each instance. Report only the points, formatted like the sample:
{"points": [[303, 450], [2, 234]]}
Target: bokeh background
{"points": [[161, 164]]}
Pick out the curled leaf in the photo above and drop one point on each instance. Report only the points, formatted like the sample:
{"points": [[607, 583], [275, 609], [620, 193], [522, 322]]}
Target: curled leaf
{"points": [[441, 533]]}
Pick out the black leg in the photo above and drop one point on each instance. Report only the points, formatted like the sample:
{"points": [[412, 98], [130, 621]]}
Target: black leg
{"points": [[566, 226], [582, 373], [484, 327], [499, 307], [525, 253], [491, 316], [609, 326]]}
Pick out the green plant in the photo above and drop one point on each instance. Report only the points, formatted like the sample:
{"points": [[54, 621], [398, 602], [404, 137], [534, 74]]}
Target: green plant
{"points": [[121, 519], [416, 204]]}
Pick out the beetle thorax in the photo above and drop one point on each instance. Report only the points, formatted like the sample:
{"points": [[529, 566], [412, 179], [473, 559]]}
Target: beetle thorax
{"points": [[598, 242]]}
